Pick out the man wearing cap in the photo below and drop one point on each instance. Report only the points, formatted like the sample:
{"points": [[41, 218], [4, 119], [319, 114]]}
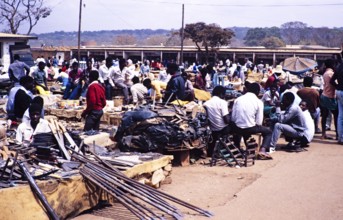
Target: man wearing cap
{"points": [[275, 77], [36, 125]]}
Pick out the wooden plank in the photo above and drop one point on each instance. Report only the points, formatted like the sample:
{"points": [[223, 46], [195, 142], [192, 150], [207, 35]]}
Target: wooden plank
{"points": [[149, 166], [184, 158]]}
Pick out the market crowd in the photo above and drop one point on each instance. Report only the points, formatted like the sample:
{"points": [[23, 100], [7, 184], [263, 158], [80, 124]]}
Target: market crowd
{"points": [[271, 106]]}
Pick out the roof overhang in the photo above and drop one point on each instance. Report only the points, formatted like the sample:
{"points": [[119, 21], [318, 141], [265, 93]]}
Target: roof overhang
{"points": [[7, 36]]}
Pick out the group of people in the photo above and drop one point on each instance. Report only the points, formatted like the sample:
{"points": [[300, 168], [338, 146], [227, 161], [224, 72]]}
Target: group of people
{"points": [[282, 108]]}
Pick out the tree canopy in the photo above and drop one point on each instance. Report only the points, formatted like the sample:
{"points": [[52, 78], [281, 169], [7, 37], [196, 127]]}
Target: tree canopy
{"points": [[207, 36], [16, 13]]}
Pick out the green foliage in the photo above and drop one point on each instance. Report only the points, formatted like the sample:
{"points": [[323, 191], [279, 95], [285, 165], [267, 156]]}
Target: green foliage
{"points": [[208, 36], [255, 36], [272, 42]]}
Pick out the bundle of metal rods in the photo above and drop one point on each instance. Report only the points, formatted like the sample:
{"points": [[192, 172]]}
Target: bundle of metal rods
{"points": [[134, 195]]}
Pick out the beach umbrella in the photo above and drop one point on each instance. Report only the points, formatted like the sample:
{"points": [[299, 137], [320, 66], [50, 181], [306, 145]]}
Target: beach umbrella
{"points": [[298, 65]]}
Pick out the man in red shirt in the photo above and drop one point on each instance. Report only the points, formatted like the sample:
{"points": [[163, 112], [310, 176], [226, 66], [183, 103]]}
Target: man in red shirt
{"points": [[96, 101]]}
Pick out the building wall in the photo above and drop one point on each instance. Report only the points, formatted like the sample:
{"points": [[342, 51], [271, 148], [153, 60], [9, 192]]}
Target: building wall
{"points": [[5, 54]]}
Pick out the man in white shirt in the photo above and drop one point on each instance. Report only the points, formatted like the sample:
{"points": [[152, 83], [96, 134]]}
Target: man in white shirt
{"points": [[247, 118], [218, 115], [309, 126], [138, 91], [36, 125], [105, 72]]}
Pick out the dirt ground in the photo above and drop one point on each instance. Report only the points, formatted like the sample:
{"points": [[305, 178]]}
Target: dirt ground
{"points": [[305, 185]]}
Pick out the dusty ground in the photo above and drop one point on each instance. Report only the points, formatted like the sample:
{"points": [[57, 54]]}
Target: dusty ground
{"points": [[305, 185]]}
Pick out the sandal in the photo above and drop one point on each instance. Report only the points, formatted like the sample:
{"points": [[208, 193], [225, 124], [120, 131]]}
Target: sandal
{"points": [[327, 137], [264, 156]]}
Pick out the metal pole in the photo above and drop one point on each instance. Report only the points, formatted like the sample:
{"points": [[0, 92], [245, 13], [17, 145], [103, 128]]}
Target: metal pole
{"points": [[182, 33], [79, 33]]}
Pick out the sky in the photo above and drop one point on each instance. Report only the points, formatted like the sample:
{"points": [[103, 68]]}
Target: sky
{"points": [[167, 14]]}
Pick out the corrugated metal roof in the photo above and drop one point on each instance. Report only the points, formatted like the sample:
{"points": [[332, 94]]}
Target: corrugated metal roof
{"points": [[17, 36]]}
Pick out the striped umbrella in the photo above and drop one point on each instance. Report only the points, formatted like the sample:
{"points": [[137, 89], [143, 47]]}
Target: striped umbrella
{"points": [[298, 65]]}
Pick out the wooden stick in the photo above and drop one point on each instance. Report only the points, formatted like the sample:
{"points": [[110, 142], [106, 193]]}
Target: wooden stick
{"points": [[60, 144]]}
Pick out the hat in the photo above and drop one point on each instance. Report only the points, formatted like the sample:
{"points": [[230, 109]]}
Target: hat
{"points": [[278, 69], [35, 107]]}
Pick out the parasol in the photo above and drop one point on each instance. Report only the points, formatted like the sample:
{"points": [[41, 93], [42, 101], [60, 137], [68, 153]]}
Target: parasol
{"points": [[298, 65]]}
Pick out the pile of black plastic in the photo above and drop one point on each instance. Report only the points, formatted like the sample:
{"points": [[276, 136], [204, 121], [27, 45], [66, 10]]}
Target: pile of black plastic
{"points": [[143, 130]]}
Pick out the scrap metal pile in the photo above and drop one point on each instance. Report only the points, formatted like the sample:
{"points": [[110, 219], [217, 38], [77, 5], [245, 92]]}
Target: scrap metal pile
{"points": [[164, 128], [141, 200]]}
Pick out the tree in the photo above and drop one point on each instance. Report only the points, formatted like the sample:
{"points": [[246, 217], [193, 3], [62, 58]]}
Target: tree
{"points": [[272, 42], [15, 13], [255, 36], [125, 40], [210, 37], [293, 32]]}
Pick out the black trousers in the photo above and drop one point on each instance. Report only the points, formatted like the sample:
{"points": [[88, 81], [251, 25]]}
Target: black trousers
{"points": [[215, 136], [238, 133], [93, 120]]}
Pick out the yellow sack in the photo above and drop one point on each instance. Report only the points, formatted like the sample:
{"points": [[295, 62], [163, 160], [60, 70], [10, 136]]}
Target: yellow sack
{"points": [[202, 95]]}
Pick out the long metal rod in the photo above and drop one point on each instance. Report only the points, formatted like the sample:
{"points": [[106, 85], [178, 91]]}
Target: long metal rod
{"points": [[138, 195], [13, 165], [4, 169], [146, 197], [119, 174], [139, 190], [101, 184], [36, 190], [174, 199]]}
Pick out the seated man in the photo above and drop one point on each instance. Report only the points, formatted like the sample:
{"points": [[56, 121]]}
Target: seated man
{"points": [[200, 79], [10, 101], [189, 90], [23, 97], [309, 125], [176, 85], [247, 118], [218, 115], [73, 88], [63, 78], [39, 77], [270, 99], [36, 125], [291, 123], [36, 100], [138, 91]]}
